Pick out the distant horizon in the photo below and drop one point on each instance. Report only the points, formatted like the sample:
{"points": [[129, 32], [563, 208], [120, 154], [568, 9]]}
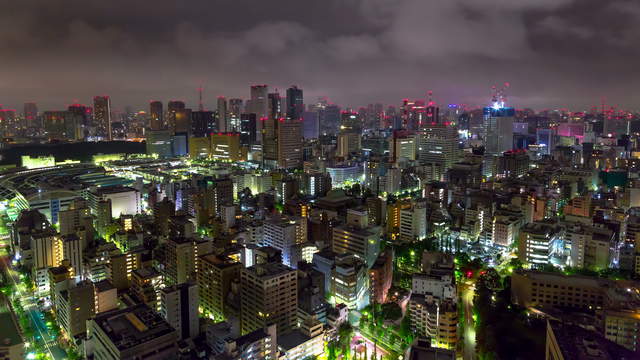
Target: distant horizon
{"points": [[191, 102]]}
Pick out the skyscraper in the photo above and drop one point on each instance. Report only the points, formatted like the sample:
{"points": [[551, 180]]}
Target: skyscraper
{"points": [[259, 107], [234, 109], [156, 116], [295, 103], [173, 109], [498, 128], [498, 134], [202, 123], [222, 118], [248, 124], [270, 129], [102, 116]]}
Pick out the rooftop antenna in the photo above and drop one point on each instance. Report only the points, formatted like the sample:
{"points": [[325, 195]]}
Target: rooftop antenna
{"points": [[494, 94], [200, 105]]}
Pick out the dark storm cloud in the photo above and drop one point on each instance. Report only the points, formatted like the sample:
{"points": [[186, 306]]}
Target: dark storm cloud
{"points": [[553, 52]]}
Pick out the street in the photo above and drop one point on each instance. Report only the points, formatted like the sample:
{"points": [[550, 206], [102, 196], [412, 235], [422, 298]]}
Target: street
{"points": [[43, 337], [469, 346]]}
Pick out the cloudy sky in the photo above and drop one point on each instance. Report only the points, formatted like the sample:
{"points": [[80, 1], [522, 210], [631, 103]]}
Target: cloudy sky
{"points": [[554, 53]]}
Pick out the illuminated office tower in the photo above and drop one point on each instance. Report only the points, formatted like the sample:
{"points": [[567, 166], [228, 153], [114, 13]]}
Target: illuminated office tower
{"points": [[290, 144], [226, 147], [269, 295], [156, 115], [173, 109], [498, 133], [498, 123], [234, 110], [102, 116], [438, 148], [259, 106], [349, 134]]}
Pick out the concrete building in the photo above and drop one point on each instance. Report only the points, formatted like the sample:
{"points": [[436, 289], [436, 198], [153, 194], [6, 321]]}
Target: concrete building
{"points": [[306, 342], [284, 233], [135, 332], [357, 237], [349, 281], [215, 279], [567, 341], [435, 319], [413, 221], [47, 252], [106, 296], [269, 295], [536, 242], [260, 344], [179, 307], [145, 286], [591, 246], [74, 307]]}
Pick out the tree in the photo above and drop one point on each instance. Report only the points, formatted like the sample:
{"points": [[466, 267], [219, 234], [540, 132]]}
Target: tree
{"points": [[391, 311]]}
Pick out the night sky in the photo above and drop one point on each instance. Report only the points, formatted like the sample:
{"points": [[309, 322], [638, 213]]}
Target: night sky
{"points": [[554, 53]]}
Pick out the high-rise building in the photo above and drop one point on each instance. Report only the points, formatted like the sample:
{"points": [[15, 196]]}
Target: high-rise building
{"points": [[295, 103], [60, 125], [156, 115], [222, 118], [182, 258], [179, 307], [259, 106], [74, 306], [290, 144], [135, 332], [270, 129], [413, 222], [350, 282], [226, 147], [202, 123], [102, 116], [47, 252], [30, 114], [284, 233], [311, 125], [248, 126], [269, 295], [216, 278], [234, 110], [145, 286], [498, 134], [434, 318], [174, 107], [357, 237], [437, 148]]}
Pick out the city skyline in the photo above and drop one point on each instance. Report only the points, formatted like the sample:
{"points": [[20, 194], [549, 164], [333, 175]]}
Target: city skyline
{"points": [[353, 52]]}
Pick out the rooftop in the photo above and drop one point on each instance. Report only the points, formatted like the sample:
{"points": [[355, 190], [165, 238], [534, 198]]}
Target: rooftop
{"points": [[576, 343], [133, 326]]}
